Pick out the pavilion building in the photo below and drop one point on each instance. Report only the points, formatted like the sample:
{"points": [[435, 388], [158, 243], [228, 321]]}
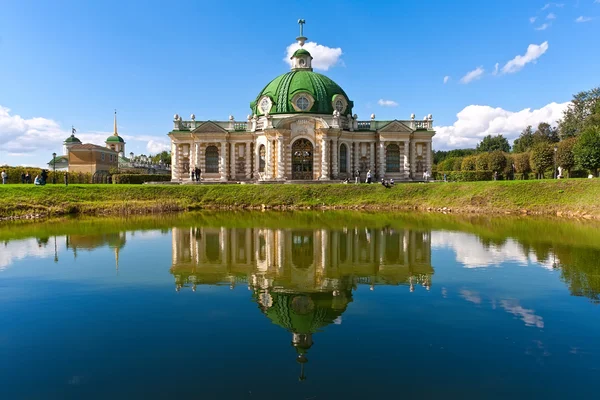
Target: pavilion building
{"points": [[301, 128]]}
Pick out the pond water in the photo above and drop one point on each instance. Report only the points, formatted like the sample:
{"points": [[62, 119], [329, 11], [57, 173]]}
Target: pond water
{"points": [[299, 306]]}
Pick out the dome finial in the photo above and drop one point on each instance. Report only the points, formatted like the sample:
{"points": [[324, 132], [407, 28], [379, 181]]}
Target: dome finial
{"points": [[301, 39]]}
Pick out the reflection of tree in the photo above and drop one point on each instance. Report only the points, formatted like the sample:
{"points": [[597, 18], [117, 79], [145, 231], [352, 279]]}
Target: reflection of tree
{"points": [[580, 270]]}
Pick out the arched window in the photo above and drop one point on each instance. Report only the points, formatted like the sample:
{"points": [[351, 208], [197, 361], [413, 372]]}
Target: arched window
{"points": [[392, 158], [212, 160], [343, 158], [261, 158]]}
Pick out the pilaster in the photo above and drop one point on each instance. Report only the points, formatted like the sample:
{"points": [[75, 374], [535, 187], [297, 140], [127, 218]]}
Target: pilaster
{"points": [[324, 159], [335, 159], [223, 162], [248, 160]]}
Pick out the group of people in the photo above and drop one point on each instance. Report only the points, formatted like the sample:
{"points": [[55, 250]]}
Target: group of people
{"points": [[195, 174], [369, 179]]}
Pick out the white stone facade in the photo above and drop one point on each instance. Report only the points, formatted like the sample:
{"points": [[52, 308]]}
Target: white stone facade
{"points": [[301, 147]]}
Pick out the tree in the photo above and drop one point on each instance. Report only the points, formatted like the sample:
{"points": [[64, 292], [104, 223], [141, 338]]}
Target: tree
{"points": [[583, 112], [497, 161], [565, 158], [441, 155], [541, 158], [546, 134], [164, 156], [482, 161], [522, 163], [468, 163], [524, 142], [587, 149], [491, 143]]}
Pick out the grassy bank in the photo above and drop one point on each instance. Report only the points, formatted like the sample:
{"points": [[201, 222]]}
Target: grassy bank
{"points": [[547, 197]]}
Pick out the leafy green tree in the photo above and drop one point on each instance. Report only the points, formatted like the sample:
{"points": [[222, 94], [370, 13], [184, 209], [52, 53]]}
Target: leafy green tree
{"points": [[469, 163], [491, 143], [482, 162], [565, 158], [583, 112], [497, 161], [441, 155], [524, 142], [457, 164], [522, 163], [545, 134], [587, 149], [541, 158], [164, 156]]}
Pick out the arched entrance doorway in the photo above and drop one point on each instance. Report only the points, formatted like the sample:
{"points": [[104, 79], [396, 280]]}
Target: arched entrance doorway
{"points": [[302, 160]]}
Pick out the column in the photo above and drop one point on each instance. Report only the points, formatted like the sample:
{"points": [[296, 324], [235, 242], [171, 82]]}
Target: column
{"points": [[223, 162], [413, 159], [372, 158], [174, 162], [201, 161], [356, 156], [428, 148], [281, 159], [335, 161], [382, 165], [324, 159], [232, 162], [406, 159], [248, 161]]}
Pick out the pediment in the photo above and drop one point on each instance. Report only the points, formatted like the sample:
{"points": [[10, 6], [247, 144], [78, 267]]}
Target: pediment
{"points": [[396, 127], [209, 127]]}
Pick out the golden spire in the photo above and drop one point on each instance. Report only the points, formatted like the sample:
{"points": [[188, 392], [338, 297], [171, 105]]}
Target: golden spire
{"points": [[115, 134]]}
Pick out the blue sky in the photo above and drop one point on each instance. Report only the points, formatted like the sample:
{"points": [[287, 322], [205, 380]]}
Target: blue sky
{"points": [[66, 63]]}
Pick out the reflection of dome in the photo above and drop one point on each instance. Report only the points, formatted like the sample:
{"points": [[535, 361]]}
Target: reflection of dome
{"points": [[306, 313], [282, 90]]}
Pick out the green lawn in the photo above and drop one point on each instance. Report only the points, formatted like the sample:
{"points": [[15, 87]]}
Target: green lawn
{"points": [[579, 196]]}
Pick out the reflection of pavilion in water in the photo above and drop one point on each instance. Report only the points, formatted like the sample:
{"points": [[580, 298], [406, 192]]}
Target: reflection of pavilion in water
{"points": [[302, 280], [115, 241]]}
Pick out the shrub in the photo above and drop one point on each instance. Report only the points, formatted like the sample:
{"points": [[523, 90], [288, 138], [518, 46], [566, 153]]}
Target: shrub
{"points": [[521, 162], [482, 162], [587, 149], [497, 161], [469, 163], [139, 178], [541, 158], [565, 158]]}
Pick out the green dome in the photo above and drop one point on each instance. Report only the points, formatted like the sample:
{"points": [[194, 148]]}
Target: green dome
{"points": [[72, 139], [301, 52], [282, 90], [115, 139]]}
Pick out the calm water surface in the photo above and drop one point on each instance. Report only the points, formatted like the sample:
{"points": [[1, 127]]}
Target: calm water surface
{"points": [[299, 306]]}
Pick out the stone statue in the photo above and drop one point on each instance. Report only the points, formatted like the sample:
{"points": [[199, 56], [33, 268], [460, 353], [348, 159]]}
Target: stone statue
{"points": [[559, 172]]}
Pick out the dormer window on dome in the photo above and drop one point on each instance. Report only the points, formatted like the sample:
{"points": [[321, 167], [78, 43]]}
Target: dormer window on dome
{"points": [[265, 104], [339, 103], [302, 102]]}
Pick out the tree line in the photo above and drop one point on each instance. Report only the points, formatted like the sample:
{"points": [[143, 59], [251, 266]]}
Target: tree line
{"points": [[573, 145]]}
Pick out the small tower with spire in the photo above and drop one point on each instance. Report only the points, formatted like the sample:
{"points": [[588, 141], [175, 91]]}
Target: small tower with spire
{"points": [[70, 142], [116, 142]]}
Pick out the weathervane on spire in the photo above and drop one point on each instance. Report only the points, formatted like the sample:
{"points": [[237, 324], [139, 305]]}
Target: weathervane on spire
{"points": [[301, 39]]}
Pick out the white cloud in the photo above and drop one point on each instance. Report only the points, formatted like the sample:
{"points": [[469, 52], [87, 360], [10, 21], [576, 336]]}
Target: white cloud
{"points": [[542, 27], [446, 79], [387, 103], [546, 6], [496, 69], [532, 19], [477, 73], [551, 16], [156, 146], [533, 52], [476, 121], [583, 19], [323, 57]]}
